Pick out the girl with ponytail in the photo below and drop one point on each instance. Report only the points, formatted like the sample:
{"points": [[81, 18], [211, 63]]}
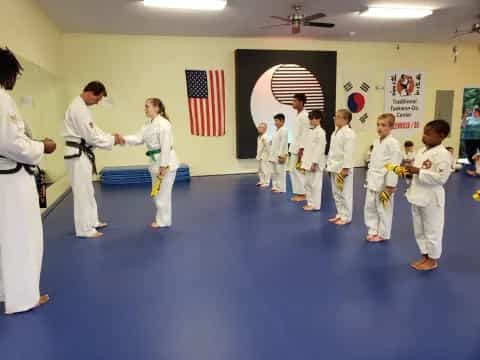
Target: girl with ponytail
{"points": [[158, 138]]}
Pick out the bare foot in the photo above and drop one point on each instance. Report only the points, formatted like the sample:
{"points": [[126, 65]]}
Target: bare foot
{"points": [[154, 225], [308, 208], [428, 265], [258, 184], [298, 198], [341, 222], [101, 225], [334, 219], [275, 191], [377, 239], [370, 237], [41, 301], [264, 186], [94, 235], [418, 262], [471, 172]]}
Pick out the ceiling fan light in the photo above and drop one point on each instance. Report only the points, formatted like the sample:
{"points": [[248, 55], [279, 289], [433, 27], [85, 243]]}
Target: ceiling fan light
{"points": [[216, 5], [395, 12]]}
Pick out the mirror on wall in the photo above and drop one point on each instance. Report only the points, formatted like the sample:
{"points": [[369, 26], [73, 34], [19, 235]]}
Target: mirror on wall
{"points": [[470, 131], [40, 100]]}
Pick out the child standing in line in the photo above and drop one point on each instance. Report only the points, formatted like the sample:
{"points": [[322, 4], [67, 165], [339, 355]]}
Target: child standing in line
{"points": [[431, 170], [263, 153], [409, 154], [279, 155], [340, 167], [381, 184], [313, 161]]}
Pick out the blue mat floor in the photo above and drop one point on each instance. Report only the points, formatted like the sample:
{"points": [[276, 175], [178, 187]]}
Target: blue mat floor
{"points": [[246, 275]]}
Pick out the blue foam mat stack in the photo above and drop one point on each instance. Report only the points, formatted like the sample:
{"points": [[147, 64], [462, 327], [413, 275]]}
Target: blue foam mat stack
{"points": [[124, 175]]}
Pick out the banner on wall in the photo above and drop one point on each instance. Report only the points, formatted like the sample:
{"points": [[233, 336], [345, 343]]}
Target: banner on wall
{"points": [[404, 97], [356, 100]]}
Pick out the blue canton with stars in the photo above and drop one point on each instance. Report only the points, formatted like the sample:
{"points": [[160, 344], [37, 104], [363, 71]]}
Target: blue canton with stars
{"points": [[197, 84]]}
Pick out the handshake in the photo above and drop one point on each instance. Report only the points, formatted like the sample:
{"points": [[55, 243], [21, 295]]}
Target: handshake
{"points": [[119, 140]]}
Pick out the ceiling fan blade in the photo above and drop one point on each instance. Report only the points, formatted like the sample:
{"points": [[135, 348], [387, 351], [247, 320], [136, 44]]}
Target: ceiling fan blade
{"points": [[314, 17], [272, 26], [317, 24], [280, 18]]}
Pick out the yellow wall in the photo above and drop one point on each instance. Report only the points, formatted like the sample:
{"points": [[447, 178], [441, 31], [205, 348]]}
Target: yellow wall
{"points": [[37, 42], [136, 67], [27, 31]]}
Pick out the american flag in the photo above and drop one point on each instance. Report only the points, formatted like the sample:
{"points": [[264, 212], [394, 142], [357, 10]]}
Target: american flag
{"points": [[289, 79], [206, 102]]}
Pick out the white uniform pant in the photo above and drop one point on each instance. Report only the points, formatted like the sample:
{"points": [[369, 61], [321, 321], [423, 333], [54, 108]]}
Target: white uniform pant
{"points": [[296, 177], [343, 199], [428, 224], [85, 210], [264, 172], [163, 200], [21, 242], [279, 177], [313, 188], [378, 218]]}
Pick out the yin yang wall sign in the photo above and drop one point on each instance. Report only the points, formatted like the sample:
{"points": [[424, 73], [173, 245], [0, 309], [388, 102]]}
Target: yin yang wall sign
{"points": [[266, 82]]}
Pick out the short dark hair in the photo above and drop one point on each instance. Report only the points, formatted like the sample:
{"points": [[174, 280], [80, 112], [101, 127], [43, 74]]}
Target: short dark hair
{"points": [[315, 114], [408, 143], [439, 126], [96, 87], [301, 97], [10, 68], [279, 117]]}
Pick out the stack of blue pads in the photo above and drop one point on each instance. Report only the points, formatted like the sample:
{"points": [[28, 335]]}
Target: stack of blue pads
{"points": [[124, 175]]}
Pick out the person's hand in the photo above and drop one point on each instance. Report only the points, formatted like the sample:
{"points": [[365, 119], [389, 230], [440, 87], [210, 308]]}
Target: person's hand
{"points": [[314, 167], [345, 172], [300, 154], [119, 140], [390, 189], [163, 171], [412, 169], [49, 146], [282, 159]]}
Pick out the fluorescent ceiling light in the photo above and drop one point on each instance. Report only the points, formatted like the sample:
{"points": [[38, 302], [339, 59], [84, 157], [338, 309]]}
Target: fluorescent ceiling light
{"points": [[187, 4], [396, 12]]}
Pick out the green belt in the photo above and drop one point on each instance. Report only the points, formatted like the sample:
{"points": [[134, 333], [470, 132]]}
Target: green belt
{"points": [[151, 153]]}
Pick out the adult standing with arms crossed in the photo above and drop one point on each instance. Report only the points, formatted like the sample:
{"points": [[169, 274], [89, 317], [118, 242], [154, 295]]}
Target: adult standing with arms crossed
{"points": [[81, 136], [21, 233]]}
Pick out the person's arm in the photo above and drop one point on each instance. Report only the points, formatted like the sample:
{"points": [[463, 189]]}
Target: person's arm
{"points": [[165, 140], [395, 158], [134, 139], [348, 153], [92, 134], [14, 144], [319, 148], [434, 177]]}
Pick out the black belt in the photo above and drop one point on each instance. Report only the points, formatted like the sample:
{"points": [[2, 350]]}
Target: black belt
{"points": [[82, 148], [28, 168], [39, 179]]}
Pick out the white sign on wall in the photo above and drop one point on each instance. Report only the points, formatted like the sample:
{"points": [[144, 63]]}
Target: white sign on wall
{"points": [[404, 97]]}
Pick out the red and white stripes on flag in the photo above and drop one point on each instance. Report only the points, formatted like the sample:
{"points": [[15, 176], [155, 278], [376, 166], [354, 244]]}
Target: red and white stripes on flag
{"points": [[206, 102]]}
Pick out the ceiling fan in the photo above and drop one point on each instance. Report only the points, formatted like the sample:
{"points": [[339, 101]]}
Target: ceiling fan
{"points": [[475, 29], [297, 19]]}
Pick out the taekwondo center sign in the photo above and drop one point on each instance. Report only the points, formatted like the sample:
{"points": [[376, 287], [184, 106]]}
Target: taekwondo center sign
{"points": [[404, 97]]}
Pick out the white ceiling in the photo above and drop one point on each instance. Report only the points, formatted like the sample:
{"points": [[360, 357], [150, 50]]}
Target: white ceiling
{"points": [[246, 17]]}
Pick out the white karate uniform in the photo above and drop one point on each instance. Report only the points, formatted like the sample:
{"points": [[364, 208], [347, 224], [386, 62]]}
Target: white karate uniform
{"points": [[409, 156], [279, 148], [340, 156], [300, 127], [314, 153], [21, 233], [263, 155], [79, 125], [378, 218], [157, 135], [427, 196]]}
